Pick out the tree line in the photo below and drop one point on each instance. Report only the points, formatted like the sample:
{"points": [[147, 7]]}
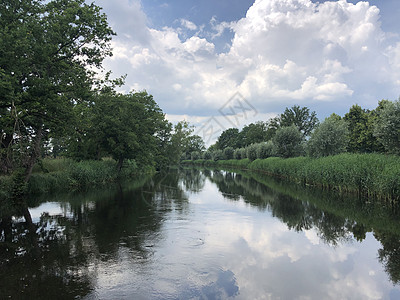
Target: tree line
{"points": [[298, 132]]}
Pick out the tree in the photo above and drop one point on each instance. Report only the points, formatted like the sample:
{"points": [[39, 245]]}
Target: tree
{"points": [[252, 134], [387, 128], [228, 152], [127, 126], [301, 117], [361, 123], [183, 142], [288, 141], [46, 51], [329, 138], [228, 138]]}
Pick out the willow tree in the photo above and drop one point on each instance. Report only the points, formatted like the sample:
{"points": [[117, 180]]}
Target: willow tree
{"points": [[47, 49]]}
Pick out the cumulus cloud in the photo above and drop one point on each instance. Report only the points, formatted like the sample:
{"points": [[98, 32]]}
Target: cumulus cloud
{"points": [[322, 55]]}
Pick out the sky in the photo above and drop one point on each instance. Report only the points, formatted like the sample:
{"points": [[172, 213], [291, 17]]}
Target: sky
{"points": [[232, 62]]}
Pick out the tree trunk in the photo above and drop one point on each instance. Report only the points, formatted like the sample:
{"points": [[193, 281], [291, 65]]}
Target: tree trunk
{"points": [[5, 161], [119, 165], [35, 154]]}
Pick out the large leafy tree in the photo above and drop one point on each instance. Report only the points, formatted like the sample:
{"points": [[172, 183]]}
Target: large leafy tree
{"points": [[228, 138], [361, 124], [125, 126], [252, 134], [47, 49], [301, 117]]}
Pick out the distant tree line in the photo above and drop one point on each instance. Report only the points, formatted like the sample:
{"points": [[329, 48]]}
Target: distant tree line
{"points": [[298, 132]]}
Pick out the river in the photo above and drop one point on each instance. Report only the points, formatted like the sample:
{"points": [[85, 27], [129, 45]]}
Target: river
{"points": [[202, 234]]}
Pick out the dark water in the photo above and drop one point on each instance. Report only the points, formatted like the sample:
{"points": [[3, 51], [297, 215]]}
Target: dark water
{"points": [[202, 235]]}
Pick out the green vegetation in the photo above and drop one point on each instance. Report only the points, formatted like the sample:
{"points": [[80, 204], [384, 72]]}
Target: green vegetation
{"points": [[371, 175], [53, 104]]}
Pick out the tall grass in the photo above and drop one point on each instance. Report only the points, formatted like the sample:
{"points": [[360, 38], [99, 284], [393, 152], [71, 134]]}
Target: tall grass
{"points": [[67, 174], [375, 175], [367, 174]]}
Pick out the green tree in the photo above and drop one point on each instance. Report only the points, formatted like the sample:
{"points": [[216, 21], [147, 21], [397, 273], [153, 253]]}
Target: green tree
{"points": [[46, 51], [228, 152], [387, 128], [329, 138], [301, 117], [127, 126], [228, 138], [252, 134], [288, 141], [361, 124], [183, 142]]}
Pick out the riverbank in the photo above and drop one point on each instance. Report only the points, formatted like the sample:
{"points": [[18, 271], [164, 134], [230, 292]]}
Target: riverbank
{"points": [[66, 174], [369, 175]]}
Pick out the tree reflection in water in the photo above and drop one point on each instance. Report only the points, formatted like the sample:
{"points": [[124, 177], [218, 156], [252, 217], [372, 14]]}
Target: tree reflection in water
{"points": [[336, 218], [56, 255]]}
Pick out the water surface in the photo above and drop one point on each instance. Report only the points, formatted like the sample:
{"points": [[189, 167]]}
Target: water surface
{"points": [[203, 235]]}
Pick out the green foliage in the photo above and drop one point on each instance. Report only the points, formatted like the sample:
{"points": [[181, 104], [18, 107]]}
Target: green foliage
{"points": [[361, 123], [228, 138], [367, 174], [228, 152], [69, 174], [195, 155], [252, 134], [237, 154], [47, 50], [330, 138], [387, 128], [288, 142], [218, 155], [265, 150], [207, 155], [252, 151], [300, 117]]}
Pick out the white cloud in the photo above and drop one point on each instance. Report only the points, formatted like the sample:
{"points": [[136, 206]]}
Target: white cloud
{"points": [[187, 24], [330, 54]]}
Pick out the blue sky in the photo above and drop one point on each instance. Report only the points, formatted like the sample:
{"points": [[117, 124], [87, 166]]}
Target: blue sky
{"points": [[193, 56]]}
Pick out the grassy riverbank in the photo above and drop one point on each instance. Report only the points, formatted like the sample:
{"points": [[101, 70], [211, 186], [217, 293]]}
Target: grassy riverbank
{"points": [[374, 175], [65, 174]]}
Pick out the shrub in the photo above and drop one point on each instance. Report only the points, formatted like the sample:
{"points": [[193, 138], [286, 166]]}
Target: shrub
{"points": [[330, 138], [237, 154], [218, 155], [265, 150], [387, 128], [195, 155], [207, 155], [243, 153], [251, 151], [288, 142], [228, 152]]}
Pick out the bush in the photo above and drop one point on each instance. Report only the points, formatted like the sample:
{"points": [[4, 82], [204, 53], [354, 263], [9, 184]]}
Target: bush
{"points": [[218, 155], [288, 142], [237, 154], [251, 151], [195, 155], [265, 150], [243, 153], [330, 138], [207, 155], [387, 128], [228, 152]]}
